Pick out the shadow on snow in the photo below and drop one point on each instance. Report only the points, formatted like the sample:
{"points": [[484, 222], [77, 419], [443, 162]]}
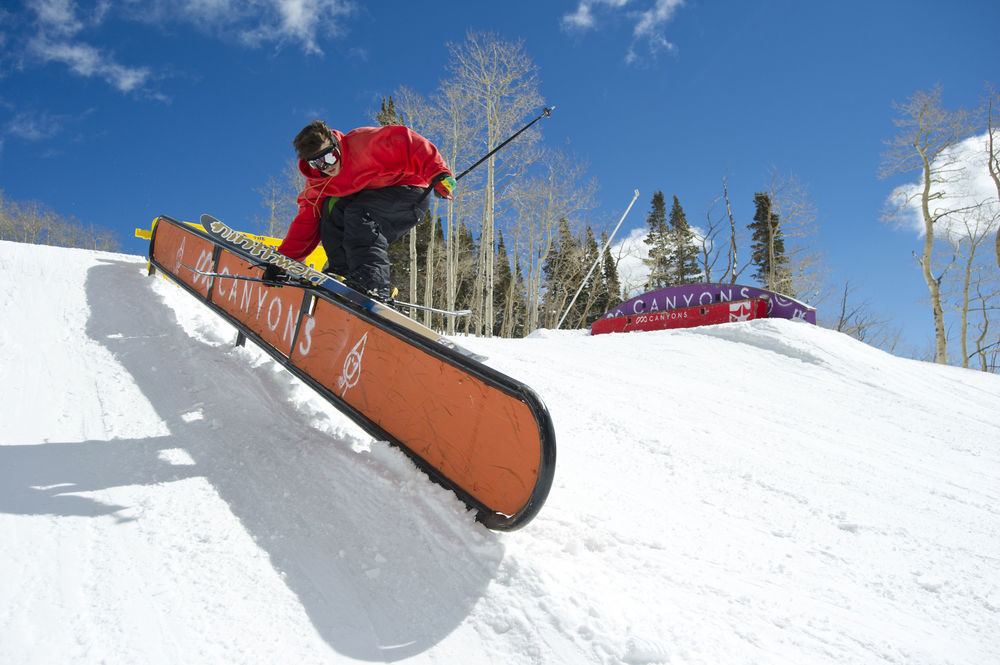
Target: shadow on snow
{"points": [[384, 568]]}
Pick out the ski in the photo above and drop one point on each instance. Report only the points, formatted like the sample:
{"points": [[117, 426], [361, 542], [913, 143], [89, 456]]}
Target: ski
{"points": [[279, 283], [427, 308], [258, 253]]}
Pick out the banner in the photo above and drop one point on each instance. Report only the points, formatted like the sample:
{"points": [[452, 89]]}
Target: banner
{"points": [[684, 317], [687, 295]]}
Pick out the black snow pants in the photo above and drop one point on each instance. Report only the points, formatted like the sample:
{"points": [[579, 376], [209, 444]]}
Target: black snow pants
{"points": [[356, 231]]}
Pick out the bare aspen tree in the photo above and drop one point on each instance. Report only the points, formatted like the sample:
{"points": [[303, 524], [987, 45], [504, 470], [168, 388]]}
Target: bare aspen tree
{"points": [[498, 79], [731, 269], [857, 320], [707, 240], [555, 193], [797, 222], [992, 139], [35, 223], [279, 198], [447, 118], [986, 350], [34, 220], [6, 218], [927, 135], [271, 196], [967, 234], [993, 145], [417, 114], [413, 113], [458, 133]]}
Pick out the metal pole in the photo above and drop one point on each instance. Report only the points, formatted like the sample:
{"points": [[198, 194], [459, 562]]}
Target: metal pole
{"points": [[600, 255]]}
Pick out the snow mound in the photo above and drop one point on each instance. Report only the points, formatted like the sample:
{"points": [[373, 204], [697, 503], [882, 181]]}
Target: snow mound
{"points": [[765, 491]]}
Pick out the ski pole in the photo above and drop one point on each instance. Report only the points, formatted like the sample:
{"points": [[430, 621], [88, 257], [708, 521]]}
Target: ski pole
{"points": [[600, 255], [546, 112]]}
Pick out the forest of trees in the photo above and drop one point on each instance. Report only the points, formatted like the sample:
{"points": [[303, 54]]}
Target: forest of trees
{"points": [[515, 244], [520, 246], [34, 222], [518, 239]]}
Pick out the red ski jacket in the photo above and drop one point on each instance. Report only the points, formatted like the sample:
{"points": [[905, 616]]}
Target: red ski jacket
{"points": [[370, 158]]}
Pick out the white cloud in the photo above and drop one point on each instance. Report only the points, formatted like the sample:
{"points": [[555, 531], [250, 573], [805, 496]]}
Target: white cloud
{"points": [[88, 61], [62, 31], [629, 253], [305, 23], [301, 24], [969, 184], [652, 20], [56, 17], [57, 26], [648, 28], [583, 17], [32, 128]]}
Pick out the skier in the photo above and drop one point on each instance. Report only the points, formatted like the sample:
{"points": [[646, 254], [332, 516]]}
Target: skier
{"points": [[363, 190]]}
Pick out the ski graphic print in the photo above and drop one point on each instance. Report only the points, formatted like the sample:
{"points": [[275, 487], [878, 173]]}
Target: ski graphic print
{"points": [[265, 254], [257, 251]]}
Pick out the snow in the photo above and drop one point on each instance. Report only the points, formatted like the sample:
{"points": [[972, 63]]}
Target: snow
{"points": [[761, 492]]}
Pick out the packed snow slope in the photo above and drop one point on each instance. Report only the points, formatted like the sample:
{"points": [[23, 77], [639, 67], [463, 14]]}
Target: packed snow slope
{"points": [[764, 492]]}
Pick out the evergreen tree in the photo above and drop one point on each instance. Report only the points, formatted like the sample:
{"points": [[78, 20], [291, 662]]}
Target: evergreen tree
{"points": [[768, 248], [400, 261], [510, 299], [519, 310], [611, 288], [438, 321], [586, 302], [466, 258], [387, 114], [503, 283], [560, 274], [683, 254], [658, 241]]}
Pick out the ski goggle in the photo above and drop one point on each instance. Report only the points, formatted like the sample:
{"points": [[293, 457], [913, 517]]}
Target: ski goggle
{"points": [[325, 159]]}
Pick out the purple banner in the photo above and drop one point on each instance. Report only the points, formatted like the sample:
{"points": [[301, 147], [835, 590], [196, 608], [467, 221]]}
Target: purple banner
{"points": [[689, 295]]}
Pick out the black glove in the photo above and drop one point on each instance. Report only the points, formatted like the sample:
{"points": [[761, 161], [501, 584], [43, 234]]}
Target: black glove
{"points": [[273, 273]]}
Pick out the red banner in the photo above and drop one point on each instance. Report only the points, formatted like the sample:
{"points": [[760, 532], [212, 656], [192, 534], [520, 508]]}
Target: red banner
{"points": [[684, 317]]}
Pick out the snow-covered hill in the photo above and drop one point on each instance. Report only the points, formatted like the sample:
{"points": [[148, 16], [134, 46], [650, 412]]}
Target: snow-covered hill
{"points": [[766, 492]]}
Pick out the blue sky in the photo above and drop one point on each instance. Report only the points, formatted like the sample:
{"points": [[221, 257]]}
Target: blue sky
{"points": [[116, 111]]}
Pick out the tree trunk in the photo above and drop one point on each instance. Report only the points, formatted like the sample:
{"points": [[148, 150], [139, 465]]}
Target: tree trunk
{"points": [[413, 269], [998, 248], [933, 284], [429, 269], [732, 233]]}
